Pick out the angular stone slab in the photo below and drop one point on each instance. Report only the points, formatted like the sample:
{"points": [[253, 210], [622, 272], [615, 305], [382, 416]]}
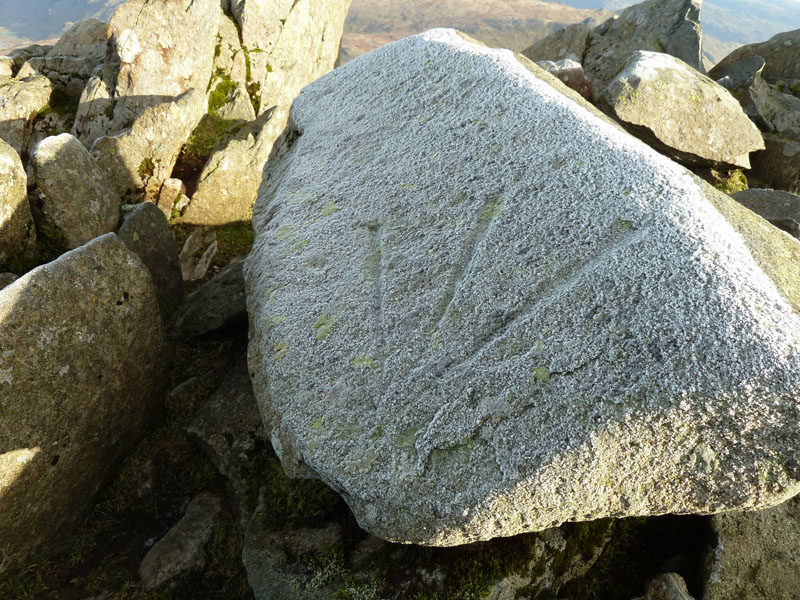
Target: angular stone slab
{"points": [[72, 60], [682, 112], [479, 308], [81, 368]]}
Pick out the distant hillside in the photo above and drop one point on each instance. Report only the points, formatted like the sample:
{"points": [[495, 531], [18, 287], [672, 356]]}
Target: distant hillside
{"points": [[739, 21], [42, 19], [511, 24]]}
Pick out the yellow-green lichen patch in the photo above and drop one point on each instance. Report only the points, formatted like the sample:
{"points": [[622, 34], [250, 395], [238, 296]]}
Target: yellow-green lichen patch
{"points": [[540, 375], [274, 320], [300, 245], [284, 233], [219, 95], [279, 349], [493, 211], [364, 362], [324, 326], [329, 208], [623, 224]]}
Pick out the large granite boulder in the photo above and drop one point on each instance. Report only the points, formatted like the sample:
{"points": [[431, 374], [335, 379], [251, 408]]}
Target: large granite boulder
{"points": [[668, 26], [289, 44], [755, 555], [20, 101], [81, 368], [73, 59], [781, 54], [480, 308], [152, 90], [681, 112], [17, 234], [71, 194]]}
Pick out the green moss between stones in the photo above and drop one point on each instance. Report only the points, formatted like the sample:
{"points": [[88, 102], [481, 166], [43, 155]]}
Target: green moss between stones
{"points": [[730, 182], [208, 133], [146, 168], [219, 96], [287, 503]]}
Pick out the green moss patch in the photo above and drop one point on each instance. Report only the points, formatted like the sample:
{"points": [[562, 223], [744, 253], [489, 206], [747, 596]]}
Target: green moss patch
{"points": [[219, 95], [288, 503]]}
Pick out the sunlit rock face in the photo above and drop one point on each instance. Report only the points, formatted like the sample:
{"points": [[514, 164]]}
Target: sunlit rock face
{"points": [[81, 366], [479, 308]]}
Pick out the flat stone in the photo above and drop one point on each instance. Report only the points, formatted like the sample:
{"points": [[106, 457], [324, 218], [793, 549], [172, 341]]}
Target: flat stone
{"points": [[146, 231], [17, 234], [468, 335], [181, 550], [218, 304], [681, 112], [71, 193], [80, 378], [755, 556]]}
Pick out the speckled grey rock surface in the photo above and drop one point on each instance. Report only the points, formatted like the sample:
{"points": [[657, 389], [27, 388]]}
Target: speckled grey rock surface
{"points": [[680, 111], [17, 233], [755, 556], [81, 367], [469, 335], [71, 192]]}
